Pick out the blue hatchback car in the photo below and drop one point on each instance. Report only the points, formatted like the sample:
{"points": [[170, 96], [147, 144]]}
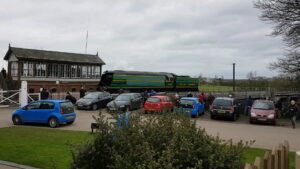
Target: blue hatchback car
{"points": [[191, 105], [51, 112]]}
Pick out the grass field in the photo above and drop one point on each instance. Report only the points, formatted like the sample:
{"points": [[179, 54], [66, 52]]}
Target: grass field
{"points": [[38, 147], [49, 148], [214, 88]]}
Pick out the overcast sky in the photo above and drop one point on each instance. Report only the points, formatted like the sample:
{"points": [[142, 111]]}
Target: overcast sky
{"points": [[186, 37]]}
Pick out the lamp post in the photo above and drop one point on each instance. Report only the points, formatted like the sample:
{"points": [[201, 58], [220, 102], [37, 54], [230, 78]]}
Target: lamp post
{"points": [[233, 77]]}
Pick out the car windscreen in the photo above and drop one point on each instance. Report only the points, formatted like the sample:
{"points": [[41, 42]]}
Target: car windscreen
{"points": [[263, 105], [153, 99], [66, 107], [123, 98], [186, 103], [91, 96], [222, 102]]}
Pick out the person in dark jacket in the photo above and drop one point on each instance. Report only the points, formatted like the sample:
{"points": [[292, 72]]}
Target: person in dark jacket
{"points": [[293, 111], [190, 94], [71, 98], [82, 92], [44, 94], [248, 105]]}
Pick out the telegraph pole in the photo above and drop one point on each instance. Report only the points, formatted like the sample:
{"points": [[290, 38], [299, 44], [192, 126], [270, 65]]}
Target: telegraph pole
{"points": [[233, 77]]}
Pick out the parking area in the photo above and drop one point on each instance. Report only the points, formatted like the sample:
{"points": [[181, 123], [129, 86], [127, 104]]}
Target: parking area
{"points": [[265, 136]]}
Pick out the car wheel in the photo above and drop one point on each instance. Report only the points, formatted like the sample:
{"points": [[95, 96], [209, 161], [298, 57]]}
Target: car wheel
{"points": [[212, 116], [17, 120], [53, 122], [94, 107], [70, 122]]}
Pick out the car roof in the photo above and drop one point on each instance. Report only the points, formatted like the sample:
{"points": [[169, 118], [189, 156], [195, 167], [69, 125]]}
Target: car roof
{"points": [[159, 96], [225, 98], [53, 100], [261, 100], [189, 98], [129, 93]]}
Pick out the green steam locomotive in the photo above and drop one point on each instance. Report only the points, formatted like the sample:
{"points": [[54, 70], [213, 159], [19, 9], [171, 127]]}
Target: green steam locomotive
{"points": [[137, 81]]}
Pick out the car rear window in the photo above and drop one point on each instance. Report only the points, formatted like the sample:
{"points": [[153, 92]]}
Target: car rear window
{"points": [[187, 103], [66, 107], [153, 99], [263, 105], [222, 102]]}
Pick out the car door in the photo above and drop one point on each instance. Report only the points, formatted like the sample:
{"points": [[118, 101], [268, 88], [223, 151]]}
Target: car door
{"points": [[29, 112], [45, 111], [106, 99], [168, 102], [100, 100]]}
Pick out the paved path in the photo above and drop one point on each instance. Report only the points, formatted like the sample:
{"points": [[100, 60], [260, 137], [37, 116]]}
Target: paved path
{"points": [[265, 136], [10, 165]]}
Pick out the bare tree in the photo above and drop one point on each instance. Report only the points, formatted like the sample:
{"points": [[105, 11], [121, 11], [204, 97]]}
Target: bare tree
{"points": [[290, 64], [285, 15]]}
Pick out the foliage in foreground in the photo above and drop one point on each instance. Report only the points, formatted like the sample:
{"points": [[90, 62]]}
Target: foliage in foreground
{"points": [[165, 141]]}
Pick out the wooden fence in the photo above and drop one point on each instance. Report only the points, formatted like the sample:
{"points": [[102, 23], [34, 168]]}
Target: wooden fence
{"points": [[277, 159]]}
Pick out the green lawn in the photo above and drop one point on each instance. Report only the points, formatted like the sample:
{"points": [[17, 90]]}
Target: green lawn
{"points": [[215, 88], [39, 147], [49, 148]]}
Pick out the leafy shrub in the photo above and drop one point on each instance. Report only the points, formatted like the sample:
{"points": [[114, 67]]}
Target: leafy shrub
{"points": [[166, 141]]}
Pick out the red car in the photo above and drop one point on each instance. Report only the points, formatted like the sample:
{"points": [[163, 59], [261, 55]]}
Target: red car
{"points": [[158, 104], [263, 111]]}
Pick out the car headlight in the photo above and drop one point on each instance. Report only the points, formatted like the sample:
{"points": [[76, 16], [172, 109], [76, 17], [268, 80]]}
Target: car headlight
{"points": [[253, 114], [271, 116]]}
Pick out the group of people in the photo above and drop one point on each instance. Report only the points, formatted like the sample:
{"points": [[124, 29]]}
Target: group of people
{"points": [[45, 95]]}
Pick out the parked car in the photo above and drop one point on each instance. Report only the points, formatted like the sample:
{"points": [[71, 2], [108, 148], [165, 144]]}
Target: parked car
{"points": [[224, 107], [158, 104], [51, 112], [191, 105], [129, 101], [263, 111], [94, 100]]}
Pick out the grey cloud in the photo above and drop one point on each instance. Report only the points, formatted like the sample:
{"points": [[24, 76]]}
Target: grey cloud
{"points": [[184, 37]]}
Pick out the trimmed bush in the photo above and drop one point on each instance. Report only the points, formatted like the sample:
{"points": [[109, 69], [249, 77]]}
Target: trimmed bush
{"points": [[166, 141]]}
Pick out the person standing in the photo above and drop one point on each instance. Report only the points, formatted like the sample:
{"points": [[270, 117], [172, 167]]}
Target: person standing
{"points": [[293, 111], [71, 98], [202, 98], [44, 94], [189, 94], [248, 105], [82, 92]]}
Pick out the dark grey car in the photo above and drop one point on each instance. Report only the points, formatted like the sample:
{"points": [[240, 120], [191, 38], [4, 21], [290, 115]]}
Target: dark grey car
{"points": [[94, 100], [128, 101]]}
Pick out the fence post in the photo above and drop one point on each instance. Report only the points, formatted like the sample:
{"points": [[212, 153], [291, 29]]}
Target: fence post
{"points": [[267, 160], [248, 166], [277, 159], [287, 153], [282, 156], [257, 163], [298, 160], [23, 95]]}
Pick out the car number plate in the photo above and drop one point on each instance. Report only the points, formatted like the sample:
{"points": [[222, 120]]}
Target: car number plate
{"points": [[186, 111], [69, 117], [113, 109], [261, 119], [221, 111]]}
